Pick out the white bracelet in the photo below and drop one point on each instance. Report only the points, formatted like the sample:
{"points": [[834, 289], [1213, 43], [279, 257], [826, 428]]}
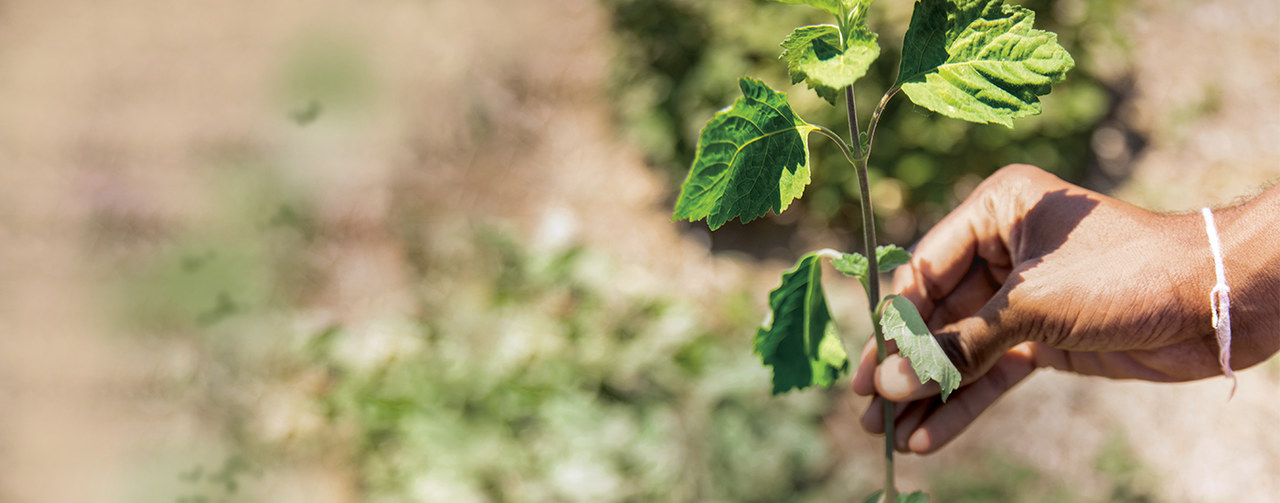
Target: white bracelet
{"points": [[1220, 300]]}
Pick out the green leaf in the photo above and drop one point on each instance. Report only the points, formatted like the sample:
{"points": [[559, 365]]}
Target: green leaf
{"points": [[979, 60], [751, 158], [901, 322], [915, 497], [852, 264], [800, 341], [813, 55], [888, 257], [831, 6]]}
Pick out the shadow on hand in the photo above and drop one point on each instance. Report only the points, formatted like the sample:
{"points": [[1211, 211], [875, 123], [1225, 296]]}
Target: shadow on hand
{"points": [[1041, 231]]}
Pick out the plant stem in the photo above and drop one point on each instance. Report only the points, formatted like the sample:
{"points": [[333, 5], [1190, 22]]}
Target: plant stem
{"points": [[852, 109], [875, 117], [873, 269]]}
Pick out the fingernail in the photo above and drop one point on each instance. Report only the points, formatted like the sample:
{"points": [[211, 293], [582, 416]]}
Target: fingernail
{"points": [[919, 441]]}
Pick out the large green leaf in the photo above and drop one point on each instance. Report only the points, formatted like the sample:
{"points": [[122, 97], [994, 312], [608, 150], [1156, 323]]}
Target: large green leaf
{"points": [[800, 341], [979, 60], [901, 322], [751, 158], [813, 54]]}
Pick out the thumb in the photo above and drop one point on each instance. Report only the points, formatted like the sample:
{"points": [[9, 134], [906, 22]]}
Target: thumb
{"points": [[973, 345]]}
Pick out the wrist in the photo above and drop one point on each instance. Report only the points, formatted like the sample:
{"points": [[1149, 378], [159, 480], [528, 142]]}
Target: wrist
{"points": [[1251, 259]]}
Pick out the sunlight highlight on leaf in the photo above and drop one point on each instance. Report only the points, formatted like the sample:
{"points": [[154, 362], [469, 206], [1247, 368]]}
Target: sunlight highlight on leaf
{"points": [[813, 55], [752, 158], [979, 60]]}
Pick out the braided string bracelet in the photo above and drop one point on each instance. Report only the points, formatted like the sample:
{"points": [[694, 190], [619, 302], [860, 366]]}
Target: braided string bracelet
{"points": [[1220, 301]]}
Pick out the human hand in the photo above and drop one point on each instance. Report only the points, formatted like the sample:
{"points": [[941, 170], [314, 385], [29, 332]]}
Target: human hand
{"points": [[1031, 271]]}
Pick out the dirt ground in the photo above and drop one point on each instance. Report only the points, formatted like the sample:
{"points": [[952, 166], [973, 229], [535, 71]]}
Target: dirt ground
{"points": [[109, 111]]}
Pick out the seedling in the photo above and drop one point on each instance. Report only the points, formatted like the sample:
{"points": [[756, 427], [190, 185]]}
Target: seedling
{"points": [[975, 60]]}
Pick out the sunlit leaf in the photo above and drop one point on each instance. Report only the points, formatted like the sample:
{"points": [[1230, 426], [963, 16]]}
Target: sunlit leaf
{"points": [[752, 158], [979, 60], [888, 257], [901, 322], [831, 6], [814, 55], [800, 341], [852, 264]]}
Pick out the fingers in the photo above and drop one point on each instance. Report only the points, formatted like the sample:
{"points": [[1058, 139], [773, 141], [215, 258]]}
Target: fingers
{"points": [[972, 344], [864, 375], [939, 425], [924, 426], [977, 229], [973, 292]]}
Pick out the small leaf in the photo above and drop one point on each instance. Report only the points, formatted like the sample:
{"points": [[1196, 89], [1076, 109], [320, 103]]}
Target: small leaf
{"points": [[800, 342], [979, 60], [901, 322], [889, 257], [851, 264], [751, 158], [915, 497], [813, 55]]}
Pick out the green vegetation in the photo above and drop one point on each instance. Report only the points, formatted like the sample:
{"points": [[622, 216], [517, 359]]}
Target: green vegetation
{"points": [[679, 60], [976, 60], [515, 372]]}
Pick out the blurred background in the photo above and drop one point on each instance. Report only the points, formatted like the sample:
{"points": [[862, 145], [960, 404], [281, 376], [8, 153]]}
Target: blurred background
{"points": [[421, 251]]}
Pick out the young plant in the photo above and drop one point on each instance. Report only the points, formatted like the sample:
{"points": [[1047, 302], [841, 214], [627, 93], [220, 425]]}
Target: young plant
{"points": [[976, 60]]}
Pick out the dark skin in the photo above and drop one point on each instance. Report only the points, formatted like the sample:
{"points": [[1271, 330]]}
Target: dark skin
{"points": [[1031, 271]]}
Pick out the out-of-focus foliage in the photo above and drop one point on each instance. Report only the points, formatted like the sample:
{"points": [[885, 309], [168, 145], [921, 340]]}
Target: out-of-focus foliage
{"points": [[532, 378], [678, 59], [515, 372], [522, 374], [519, 374]]}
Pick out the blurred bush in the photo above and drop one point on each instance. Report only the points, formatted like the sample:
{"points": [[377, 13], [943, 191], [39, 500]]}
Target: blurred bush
{"points": [[678, 62], [517, 374], [530, 378]]}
